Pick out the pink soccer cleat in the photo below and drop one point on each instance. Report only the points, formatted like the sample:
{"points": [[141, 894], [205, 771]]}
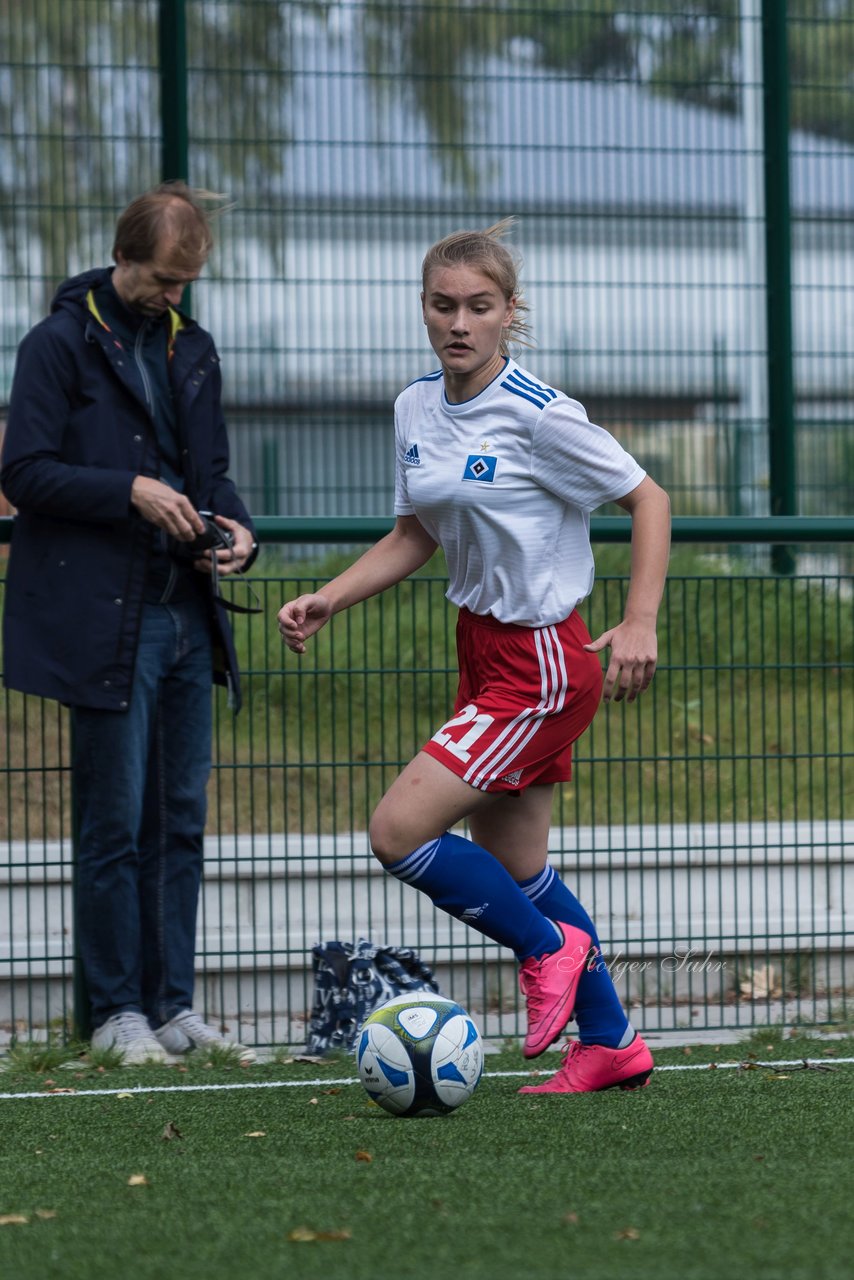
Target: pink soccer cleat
{"points": [[549, 985], [587, 1068]]}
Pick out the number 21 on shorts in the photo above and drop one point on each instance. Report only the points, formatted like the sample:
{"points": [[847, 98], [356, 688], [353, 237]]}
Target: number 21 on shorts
{"points": [[461, 747]]}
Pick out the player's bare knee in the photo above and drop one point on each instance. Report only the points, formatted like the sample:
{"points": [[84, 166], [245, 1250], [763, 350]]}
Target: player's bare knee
{"points": [[389, 839], [392, 833]]}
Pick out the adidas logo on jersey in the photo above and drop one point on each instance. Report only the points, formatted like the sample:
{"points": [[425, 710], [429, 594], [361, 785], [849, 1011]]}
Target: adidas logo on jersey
{"points": [[412, 458], [513, 779]]}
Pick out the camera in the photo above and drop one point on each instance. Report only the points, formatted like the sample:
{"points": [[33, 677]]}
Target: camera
{"points": [[213, 538]]}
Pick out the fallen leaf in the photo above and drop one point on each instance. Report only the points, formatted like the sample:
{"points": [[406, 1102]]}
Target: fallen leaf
{"points": [[627, 1233], [171, 1131], [364, 1157], [571, 1219], [699, 736], [312, 1102], [687, 1051], [123, 1097], [45, 1214], [330, 1092], [304, 1235], [13, 1220], [138, 1180], [256, 1133], [62, 1090]]}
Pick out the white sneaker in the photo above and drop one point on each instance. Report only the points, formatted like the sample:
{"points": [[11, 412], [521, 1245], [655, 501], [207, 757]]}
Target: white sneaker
{"points": [[187, 1031], [131, 1035]]}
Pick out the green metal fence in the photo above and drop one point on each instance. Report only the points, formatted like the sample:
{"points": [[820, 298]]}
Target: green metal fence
{"points": [[707, 826]]}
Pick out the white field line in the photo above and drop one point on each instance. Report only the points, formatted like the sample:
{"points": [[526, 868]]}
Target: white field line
{"points": [[319, 1082]]}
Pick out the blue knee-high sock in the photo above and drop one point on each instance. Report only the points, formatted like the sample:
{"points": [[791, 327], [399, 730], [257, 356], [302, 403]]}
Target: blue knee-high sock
{"points": [[599, 1016], [467, 882]]}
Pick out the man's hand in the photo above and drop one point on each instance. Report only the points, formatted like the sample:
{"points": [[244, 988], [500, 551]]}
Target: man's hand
{"points": [[229, 559], [166, 508]]}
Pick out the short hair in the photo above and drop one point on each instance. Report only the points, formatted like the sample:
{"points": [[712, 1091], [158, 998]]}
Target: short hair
{"points": [[484, 250], [172, 211]]}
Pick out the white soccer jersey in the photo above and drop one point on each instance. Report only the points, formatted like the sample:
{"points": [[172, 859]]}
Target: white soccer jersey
{"points": [[505, 483]]}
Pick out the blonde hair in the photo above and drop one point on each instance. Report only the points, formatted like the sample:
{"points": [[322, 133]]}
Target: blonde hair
{"points": [[485, 251]]}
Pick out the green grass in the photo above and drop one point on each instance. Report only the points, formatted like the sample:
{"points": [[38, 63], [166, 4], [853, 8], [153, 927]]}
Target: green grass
{"points": [[705, 1173], [748, 702], [748, 717]]}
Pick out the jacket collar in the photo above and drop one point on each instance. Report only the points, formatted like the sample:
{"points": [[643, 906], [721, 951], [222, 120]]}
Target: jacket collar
{"points": [[176, 321]]}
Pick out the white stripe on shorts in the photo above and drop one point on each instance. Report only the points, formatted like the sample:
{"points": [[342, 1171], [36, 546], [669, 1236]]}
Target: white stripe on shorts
{"points": [[499, 756]]}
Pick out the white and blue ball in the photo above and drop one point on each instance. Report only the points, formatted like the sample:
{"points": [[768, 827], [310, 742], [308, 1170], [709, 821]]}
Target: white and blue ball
{"points": [[419, 1055]]}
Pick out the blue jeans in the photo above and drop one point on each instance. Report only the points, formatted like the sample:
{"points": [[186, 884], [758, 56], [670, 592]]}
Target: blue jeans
{"points": [[140, 785]]}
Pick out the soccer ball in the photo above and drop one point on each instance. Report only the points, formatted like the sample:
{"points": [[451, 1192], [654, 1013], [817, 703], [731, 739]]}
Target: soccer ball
{"points": [[419, 1055]]}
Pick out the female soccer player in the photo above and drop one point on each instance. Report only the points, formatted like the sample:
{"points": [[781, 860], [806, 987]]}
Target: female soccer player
{"points": [[502, 472]]}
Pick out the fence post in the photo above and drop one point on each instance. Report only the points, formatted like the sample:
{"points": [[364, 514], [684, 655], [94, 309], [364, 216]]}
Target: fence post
{"points": [[172, 45], [778, 270]]}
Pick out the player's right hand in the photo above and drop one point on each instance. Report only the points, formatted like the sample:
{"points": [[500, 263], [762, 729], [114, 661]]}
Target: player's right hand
{"points": [[301, 618]]}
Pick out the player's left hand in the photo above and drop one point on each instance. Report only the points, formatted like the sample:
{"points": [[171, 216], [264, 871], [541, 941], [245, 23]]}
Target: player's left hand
{"points": [[229, 559], [634, 657]]}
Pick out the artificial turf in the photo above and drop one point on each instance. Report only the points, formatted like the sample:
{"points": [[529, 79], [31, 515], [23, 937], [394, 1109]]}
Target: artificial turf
{"points": [[705, 1174]]}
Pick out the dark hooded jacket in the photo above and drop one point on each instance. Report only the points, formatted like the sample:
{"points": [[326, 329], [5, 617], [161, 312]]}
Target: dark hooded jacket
{"points": [[79, 432]]}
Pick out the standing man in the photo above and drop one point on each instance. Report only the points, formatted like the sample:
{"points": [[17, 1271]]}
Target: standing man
{"points": [[114, 445]]}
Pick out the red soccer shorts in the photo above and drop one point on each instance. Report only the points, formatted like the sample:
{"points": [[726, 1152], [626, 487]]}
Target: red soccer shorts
{"points": [[525, 695]]}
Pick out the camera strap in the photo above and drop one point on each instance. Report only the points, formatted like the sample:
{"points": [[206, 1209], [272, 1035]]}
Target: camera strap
{"points": [[232, 605]]}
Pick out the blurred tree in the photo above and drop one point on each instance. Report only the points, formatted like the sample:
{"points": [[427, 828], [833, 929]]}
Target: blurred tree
{"points": [[80, 114], [691, 51]]}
